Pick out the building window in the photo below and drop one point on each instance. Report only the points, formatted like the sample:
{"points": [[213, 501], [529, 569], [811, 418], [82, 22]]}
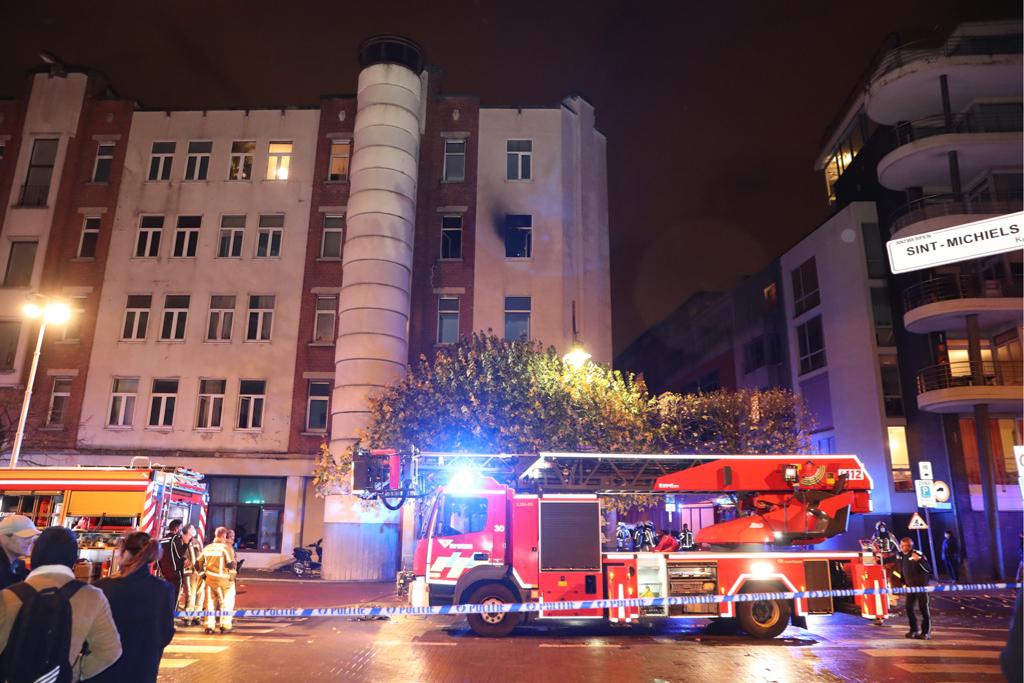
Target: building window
{"points": [[454, 160], [451, 237], [805, 287], [252, 506], [122, 401], [882, 312], [341, 150], [10, 330], [175, 317], [251, 397], [40, 173], [448, 319], [148, 243], [20, 263], [59, 398], [517, 317], [161, 402], [279, 159], [902, 476], [518, 159], [518, 236], [90, 237], [753, 355], [72, 329], [330, 244], [771, 297], [874, 251], [136, 317], [160, 161], [222, 317], [242, 153], [104, 160], [261, 318], [316, 406], [186, 236], [211, 403], [823, 445], [197, 165], [326, 316], [891, 394], [268, 239], [811, 341], [232, 231]]}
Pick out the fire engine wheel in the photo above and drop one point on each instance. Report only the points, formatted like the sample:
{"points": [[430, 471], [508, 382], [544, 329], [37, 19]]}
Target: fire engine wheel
{"points": [[495, 624], [763, 618]]}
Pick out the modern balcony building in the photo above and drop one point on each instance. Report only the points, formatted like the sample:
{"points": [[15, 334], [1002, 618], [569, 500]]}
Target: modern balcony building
{"points": [[243, 279]]}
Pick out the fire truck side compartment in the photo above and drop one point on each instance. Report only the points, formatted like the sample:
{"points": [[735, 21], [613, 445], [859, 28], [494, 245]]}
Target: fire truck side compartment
{"points": [[818, 579], [570, 535]]}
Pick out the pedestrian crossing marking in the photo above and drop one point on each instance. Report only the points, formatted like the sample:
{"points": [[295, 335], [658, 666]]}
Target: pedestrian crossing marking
{"points": [[590, 645], [945, 642], [949, 668], [195, 649], [932, 652], [232, 639], [166, 663], [403, 643]]}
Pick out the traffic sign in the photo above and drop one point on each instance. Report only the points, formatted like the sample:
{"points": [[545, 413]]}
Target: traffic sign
{"points": [[940, 491], [925, 490], [925, 469], [917, 523]]}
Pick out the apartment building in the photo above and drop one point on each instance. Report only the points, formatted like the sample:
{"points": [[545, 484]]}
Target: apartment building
{"points": [[244, 279]]}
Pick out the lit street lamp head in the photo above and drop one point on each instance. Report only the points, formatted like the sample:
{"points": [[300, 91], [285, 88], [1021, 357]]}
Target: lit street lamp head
{"points": [[53, 312], [576, 357]]}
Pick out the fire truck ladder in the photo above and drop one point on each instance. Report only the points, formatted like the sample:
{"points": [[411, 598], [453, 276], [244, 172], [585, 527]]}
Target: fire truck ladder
{"points": [[602, 472]]}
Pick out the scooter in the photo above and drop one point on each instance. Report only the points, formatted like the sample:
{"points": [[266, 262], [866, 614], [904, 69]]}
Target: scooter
{"points": [[305, 566]]}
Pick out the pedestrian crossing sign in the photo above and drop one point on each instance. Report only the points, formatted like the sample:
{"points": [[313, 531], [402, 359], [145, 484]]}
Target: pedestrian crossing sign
{"points": [[917, 523]]}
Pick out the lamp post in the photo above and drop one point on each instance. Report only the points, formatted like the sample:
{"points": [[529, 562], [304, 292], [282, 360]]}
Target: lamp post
{"points": [[577, 355], [57, 313]]}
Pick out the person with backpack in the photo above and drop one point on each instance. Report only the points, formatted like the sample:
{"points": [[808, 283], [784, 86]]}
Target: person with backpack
{"points": [[143, 609], [46, 621]]}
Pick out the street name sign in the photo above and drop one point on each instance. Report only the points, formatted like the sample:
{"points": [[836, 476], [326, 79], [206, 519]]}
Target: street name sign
{"points": [[959, 243]]}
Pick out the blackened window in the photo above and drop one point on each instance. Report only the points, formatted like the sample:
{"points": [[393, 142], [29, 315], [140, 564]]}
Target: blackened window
{"points": [[518, 236]]}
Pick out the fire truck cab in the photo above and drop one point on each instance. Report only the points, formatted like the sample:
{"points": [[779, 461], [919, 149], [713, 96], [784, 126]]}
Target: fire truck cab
{"points": [[482, 542]]}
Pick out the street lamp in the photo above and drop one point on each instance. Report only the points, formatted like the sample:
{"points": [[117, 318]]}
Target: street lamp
{"points": [[50, 312], [577, 355]]}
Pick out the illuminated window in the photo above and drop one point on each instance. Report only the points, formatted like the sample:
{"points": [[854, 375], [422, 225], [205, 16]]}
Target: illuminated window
{"points": [[902, 477], [104, 160], [341, 152], [160, 160], [771, 297], [279, 158], [454, 160], [451, 237], [242, 153], [519, 159], [959, 361]]}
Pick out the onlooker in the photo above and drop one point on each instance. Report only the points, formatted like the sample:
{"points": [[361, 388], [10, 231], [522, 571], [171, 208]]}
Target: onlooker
{"points": [[216, 561], [143, 610], [1011, 659], [17, 532], [951, 555], [45, 600], [1020, 558], [912, 567], [194, 596], [172, 563]]}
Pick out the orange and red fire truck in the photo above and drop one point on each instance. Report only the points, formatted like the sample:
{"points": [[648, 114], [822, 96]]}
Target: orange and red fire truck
{"points": [[482, 541], [102, 503]]}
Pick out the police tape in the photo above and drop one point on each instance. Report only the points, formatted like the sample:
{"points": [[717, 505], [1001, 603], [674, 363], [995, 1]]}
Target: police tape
{"points": [[563, 606]]}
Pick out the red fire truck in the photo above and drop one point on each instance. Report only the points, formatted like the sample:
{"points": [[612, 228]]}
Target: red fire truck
{"points": [[484, 542]]}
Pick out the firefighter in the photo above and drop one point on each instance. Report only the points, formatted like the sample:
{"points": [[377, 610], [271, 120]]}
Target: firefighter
{"points": [[216, 559], [885, 546], [667, 543], [644, 538], [623, 537], [686, 538], [193, 573]]}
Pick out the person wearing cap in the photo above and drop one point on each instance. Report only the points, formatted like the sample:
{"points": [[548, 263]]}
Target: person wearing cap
{"points": [[53, 558], [17, 532]]}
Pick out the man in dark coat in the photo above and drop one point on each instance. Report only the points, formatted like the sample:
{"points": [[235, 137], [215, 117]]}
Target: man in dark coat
{"points": [[951, 555], [17, 533], [913, 569]]}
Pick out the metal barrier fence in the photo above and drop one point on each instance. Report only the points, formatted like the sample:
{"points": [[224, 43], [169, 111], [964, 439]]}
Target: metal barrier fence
{"points": [[356, 611]]}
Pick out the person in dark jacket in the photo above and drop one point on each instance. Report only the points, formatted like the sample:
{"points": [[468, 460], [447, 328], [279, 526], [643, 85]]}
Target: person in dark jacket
{"points": [[913, 569], [17, 533], [951, 555], [1011, 659], [143, 608]]}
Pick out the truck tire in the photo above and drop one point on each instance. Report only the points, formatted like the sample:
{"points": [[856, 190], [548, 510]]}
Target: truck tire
{"points": [[763, 618], [494, 625]]}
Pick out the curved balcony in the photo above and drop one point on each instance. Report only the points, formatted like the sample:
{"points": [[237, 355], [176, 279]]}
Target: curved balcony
{"points": [[938, 211], [982, 140], [942, 303], [958, 387]]}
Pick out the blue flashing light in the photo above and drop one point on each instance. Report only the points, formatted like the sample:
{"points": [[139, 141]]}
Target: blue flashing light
{"points": [[463, 479]]}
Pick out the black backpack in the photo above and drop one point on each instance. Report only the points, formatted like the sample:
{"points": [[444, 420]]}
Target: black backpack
{"points": [[39, 647]]}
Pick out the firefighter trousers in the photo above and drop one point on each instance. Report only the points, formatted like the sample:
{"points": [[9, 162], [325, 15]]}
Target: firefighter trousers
{"points": [[216, 601], [194, 593]]}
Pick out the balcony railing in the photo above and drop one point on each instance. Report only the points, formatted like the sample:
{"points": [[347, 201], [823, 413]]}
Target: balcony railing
{"points": [[963, 374], [936, 205], [952, 287], [954, 47], [33, 195], [972, 122]]}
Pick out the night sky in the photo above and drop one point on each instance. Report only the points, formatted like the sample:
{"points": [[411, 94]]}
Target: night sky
{"points": [[714, 111]]}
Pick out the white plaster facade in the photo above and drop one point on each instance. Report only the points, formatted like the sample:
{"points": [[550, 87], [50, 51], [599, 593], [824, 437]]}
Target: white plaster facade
{"points": [[567, 197]]}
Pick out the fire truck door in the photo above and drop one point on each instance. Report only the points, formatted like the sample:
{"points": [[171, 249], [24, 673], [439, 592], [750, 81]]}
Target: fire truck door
{"points": [[620, 580], [468, 530]]}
